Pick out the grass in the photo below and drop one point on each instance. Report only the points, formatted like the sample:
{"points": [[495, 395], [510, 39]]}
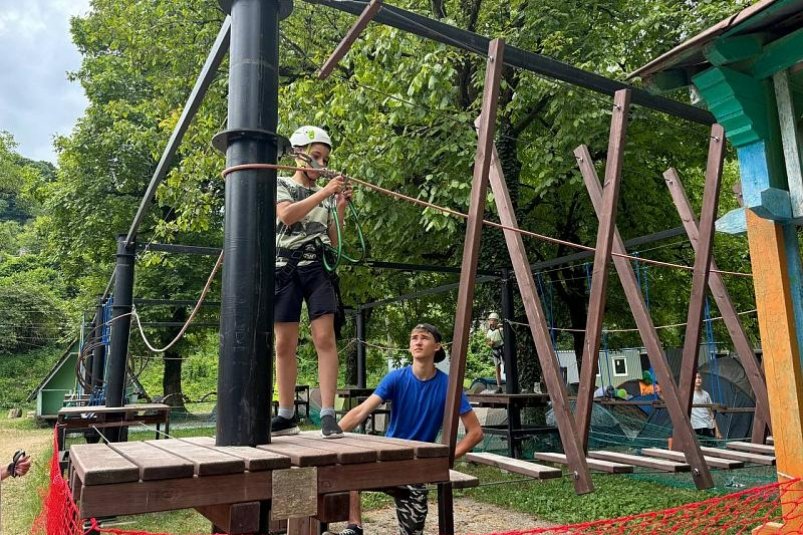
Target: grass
{"points": [[20, 373]]}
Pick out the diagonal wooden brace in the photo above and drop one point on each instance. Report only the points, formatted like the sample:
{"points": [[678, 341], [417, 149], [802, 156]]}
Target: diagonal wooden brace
{"points": [[723, 300], [702, 263], [354, 32], [602, 257], [682, 431], [540, 331]]}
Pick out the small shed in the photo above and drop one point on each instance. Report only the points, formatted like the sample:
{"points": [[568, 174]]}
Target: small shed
{"points": [[60, 380]]}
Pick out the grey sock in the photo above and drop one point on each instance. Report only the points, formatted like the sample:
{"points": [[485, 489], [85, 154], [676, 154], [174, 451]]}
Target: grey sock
{"points": [[327, 411], [286, 413]]}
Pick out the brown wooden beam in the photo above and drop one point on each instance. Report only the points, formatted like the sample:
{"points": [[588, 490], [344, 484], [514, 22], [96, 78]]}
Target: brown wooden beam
{"points": [[471, 247], [233, 518], [741, 342], [602, 257], [540, 333], [702, 263], [354, 32], [682, 431]]}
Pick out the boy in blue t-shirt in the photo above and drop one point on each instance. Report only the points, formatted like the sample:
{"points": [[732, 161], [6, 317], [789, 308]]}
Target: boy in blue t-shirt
{"points": [[418, 399]]}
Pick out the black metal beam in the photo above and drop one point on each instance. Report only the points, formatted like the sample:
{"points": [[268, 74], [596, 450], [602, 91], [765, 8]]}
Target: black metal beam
{"points": [[213, 60], [517, 57], [178, 248], [177, 324], [422, 293], [173, 302]]}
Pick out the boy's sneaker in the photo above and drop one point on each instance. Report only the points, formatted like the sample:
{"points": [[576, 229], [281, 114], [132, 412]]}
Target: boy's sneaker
{"points": [[329, 427], [351, 530], [280, 426]]}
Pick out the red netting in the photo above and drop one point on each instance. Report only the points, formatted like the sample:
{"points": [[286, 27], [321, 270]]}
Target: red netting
{"points": [[740, 512]]}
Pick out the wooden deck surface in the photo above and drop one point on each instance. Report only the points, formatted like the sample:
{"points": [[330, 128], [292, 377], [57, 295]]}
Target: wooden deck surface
{"points": [[163, 475]]}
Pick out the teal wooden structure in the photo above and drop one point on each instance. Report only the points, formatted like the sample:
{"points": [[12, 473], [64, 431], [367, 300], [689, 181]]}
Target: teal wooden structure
{"points": [[49, 394]]}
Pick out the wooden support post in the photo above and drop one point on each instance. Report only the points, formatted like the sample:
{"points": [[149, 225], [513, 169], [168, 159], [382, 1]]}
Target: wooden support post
{"points": [[702, 262], [741, 342], [683, 434], [354, 32], [233, 518], [540, 332], [445, 509], [471, 247], [602, 257], [769, 247]]}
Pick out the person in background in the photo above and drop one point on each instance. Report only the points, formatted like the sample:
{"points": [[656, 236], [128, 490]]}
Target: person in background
{"points": [[703, 420], [495, 340]]}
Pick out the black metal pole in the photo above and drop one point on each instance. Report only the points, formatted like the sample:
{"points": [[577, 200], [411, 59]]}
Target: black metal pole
{"points": [[121, 324], [89, 357], [509, 335], [246, 324], [99, 352], [361, 348]]}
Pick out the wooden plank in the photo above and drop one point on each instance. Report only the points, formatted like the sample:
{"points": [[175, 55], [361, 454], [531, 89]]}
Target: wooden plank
{"points": [[98, 464], [344, 477], [171, 494], [255, 459], [102, 409], [207, 461], [384, 451], [299, 454], [540, 332], [422, 450], [348, 40], [346, 453], [755, 458], [764, 449], [525, 468], [459, 480], [471, 245], [682, 431], [790, 139], [333, 507], [594, 464], [741, 343], [235, 518], [702, 263], [662, 465], [154, 463], [715, 462], [602, 257]]}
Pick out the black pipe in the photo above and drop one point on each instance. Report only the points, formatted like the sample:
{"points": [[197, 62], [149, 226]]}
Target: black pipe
{"points": [[361, 348], [246, 324], [89, 339], [99, 352], [120, 326], [509, 335]]}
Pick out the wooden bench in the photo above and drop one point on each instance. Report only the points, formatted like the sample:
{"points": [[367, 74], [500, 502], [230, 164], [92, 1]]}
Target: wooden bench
{"points": [[78, 419], [594, 464], [661, 465], [714, 462], [459, 480], [762, 449], [517, 466]]}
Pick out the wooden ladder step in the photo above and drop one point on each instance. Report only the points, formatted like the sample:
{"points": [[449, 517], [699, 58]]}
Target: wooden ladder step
{"points": [[517, 466], [459, 480], [714, 462], [740, 456], [663, 465], [764, 449], [594, 464]]}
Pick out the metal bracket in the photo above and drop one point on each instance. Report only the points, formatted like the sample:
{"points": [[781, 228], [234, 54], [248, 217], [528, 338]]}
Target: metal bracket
{"points": [[285, 7], [221, 140]]}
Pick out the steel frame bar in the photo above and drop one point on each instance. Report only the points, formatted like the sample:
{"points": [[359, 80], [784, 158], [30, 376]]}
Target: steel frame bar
{"points": [[517, 57], [682, 431], [719, 291], [602, 257], [702, 264], [471, 247]]}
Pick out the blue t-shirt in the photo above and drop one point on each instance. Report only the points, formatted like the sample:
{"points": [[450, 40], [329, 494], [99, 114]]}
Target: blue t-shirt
{"points": [[417, 407]]}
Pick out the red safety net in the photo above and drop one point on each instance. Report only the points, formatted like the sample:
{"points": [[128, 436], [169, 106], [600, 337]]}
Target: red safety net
{"points": [[740, 512]]}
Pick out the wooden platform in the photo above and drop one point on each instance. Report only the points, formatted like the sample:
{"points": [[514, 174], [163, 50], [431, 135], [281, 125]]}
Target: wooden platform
{"points": [[594, 464], [762, 449], [162, 475], [713, 462], [83, 418], [517, 466], [755, 458], [652, 463]]}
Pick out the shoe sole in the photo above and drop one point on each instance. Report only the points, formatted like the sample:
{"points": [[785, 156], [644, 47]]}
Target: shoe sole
{"points": [[286, 432], [333, 435]]}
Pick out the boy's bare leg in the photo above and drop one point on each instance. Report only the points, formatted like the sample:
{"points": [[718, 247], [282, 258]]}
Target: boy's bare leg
{"points": [[286, 364], [323, 337]]}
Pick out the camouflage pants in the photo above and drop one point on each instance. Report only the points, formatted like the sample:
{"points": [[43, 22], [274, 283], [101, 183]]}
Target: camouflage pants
{"points": [[411, 508]]}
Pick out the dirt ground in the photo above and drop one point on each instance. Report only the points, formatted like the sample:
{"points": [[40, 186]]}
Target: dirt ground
{"points": [[15, 515], [470, 517]]}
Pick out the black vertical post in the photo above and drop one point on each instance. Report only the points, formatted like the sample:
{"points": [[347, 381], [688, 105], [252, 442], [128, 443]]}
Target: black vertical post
{"points": [[99, 353], [246, 323], [445, 509], [89, 356], [121, 324], [361, 348], [511, 364]]}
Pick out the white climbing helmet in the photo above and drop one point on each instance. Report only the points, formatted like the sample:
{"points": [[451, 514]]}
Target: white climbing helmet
{"points": [[493, 316], [306, 135]]}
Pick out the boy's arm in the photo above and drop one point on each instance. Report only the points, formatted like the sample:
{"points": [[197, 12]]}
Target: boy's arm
{"points": [[473, 436], [355, 416]]}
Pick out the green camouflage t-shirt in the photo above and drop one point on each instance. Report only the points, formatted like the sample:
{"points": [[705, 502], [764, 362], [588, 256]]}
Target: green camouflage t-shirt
{"points": [[312, 226]]}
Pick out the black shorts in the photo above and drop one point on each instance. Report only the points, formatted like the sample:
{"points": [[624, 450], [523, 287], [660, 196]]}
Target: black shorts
{"points": [[308, 283]]}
